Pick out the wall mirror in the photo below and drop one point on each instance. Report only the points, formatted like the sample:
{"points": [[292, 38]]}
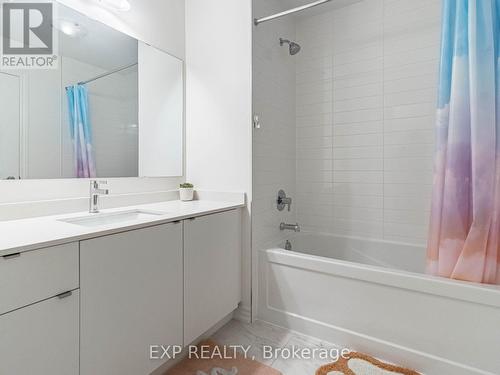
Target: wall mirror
{"points": [[113, 108]]}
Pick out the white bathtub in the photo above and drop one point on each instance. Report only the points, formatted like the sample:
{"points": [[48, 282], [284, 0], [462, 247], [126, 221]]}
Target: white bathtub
{"points": [[372, 296]]}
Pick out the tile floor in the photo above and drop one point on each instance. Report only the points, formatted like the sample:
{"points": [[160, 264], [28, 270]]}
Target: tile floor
{"points": [[261, 335]]}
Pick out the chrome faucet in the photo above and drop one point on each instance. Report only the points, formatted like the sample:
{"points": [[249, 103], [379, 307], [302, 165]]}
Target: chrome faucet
{"points": [[95, 192], [294, 227]]}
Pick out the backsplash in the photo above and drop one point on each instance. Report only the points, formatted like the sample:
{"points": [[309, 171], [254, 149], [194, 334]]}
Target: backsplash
{"points": [[32, 198]]}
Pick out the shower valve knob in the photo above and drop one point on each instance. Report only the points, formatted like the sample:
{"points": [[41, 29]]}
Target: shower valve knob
{"points": [[283, 201]]}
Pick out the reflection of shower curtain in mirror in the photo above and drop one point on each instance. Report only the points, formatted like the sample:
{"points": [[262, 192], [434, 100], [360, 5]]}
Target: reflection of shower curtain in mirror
{"points": [[81, 132], [464, 241]]}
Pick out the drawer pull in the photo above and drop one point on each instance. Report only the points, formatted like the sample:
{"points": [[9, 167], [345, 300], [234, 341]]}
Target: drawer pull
{"points": [[65, 295], [11, 256]]}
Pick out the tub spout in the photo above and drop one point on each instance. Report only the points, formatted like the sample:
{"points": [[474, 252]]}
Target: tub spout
{"points": [[294, 227]]}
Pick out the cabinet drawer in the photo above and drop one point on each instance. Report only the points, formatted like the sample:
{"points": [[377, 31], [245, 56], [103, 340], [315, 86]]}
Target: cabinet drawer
{"points": [[36, 275], [41, 339]]}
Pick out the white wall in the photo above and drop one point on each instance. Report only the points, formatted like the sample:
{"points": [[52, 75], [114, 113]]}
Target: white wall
{"points": [[39, 129], [366, 94], [10, 125], [219, 102], [157, 22], [161, 113], [42, 124], [218, 94]]}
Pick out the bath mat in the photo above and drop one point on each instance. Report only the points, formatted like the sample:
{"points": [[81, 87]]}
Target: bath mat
{"points": [[221, 366], [362, 364]]}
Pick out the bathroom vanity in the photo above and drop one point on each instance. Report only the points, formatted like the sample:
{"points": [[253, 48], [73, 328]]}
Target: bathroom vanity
{"points": [[90, 292], [86, 294]]}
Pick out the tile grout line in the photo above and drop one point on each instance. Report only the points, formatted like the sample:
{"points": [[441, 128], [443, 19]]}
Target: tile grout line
{"points": [[383, 119], [332, 61]]}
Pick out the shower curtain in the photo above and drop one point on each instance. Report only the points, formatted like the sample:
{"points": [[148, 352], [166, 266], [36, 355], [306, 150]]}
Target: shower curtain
{"points": [[81, 133], [465, 223]]}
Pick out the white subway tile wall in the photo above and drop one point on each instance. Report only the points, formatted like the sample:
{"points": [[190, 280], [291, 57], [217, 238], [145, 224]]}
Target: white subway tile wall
{"points": [[274, 143], [366, 84]]}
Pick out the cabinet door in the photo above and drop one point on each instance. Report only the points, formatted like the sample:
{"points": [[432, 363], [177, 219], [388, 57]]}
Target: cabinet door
{"points": [[41, 338], [131, 298], [212, 270]]}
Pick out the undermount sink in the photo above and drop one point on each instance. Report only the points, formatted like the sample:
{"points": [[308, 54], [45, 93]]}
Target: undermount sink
{"points": [[97, 220]]}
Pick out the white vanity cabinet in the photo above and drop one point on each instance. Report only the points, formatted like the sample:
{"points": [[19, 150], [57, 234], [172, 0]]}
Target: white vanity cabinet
{"points": [[131, 298], [39, 310], [212, 270], [95, 307]]}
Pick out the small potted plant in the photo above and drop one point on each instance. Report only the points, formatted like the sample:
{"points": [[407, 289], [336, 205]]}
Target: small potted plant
{"points": [[186, 191]]}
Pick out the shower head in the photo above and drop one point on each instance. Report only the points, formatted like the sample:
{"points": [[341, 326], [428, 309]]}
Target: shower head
{"points": [[293, 47]]}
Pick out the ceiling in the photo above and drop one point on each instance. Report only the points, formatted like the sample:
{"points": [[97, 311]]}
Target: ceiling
{"points": [[102, 46]]}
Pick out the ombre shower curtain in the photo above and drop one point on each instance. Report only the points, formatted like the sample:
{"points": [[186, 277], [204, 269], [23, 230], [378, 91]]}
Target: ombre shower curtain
{"points": [[464, 230], [81, 132]]}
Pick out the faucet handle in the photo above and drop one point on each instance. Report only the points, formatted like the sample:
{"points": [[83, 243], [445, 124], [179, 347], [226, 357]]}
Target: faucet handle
{"points": [[283, 201], [95, 186]]}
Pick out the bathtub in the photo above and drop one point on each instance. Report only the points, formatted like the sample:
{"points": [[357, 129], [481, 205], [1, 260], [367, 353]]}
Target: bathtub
{"points": [[372, 296]]}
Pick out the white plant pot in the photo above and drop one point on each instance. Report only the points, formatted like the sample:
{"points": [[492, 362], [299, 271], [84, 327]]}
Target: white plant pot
{"points": [[186, 194]]}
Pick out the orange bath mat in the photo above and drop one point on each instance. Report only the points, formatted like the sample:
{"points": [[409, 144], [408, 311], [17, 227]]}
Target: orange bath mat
{"points": [[362, 364], [221, 366]]}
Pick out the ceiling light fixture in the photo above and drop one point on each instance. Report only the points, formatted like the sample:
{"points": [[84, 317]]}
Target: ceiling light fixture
{"points": [[71, 28], [122, 5]]}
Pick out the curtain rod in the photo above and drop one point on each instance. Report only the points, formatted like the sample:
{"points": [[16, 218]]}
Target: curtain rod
{"points": [[257, 21], [107, 74]]}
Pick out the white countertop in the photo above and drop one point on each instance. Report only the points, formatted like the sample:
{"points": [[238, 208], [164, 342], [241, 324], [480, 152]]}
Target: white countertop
{"points": [[28, 234]]}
